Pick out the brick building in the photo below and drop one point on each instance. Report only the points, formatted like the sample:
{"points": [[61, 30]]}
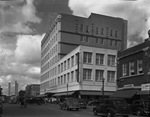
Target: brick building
{"points": [[133, 72]]}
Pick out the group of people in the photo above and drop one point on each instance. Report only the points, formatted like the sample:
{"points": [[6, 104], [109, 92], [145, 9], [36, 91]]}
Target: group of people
{"points": [[23, 102]]}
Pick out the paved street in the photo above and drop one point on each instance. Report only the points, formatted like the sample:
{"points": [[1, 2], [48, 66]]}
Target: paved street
{"points": [[46, 110]]}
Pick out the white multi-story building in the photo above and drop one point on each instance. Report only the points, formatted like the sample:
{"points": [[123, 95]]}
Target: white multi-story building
{"points": [[77, 53]]}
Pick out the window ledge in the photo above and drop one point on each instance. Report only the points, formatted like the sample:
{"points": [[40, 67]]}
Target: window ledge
{"points": [[132, 75]]}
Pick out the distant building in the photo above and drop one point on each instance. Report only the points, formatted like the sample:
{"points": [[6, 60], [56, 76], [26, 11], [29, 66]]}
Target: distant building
{"points": [[16, 88], [22, 93], [133, 72], [0, 90], [32, 90], [77, 52], [9, 89]]}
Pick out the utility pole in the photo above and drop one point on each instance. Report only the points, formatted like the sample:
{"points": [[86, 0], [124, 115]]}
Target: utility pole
{"points": [[103, 79], [67, 89]]}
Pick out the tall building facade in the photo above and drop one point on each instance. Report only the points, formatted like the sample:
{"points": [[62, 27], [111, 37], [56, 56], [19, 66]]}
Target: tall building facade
{"points": [[32, 90], [92, 41], [133, 78]]}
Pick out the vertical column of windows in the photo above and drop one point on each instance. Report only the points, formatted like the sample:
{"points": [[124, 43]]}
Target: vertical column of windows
{"points": [[111, 60], [99, 59], [87, 57], [72, 61], [87, 74], [124, 69], [139, 66], [131, 68], [110, 76], [99, 75]]}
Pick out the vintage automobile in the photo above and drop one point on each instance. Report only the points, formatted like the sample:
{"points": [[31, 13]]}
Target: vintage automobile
{"points": [[69, 103], [111, 107], [1, 108], [82, 103], [94, 102], [141, 107], [35, 100]]}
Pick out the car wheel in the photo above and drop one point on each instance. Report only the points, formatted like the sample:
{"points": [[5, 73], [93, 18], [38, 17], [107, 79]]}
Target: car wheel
{"points": [[77, 109], [138, 113], [95, 112], [110, 114]]}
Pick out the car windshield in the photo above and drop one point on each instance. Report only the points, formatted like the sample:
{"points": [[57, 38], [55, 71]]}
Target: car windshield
{"points": [[121, 102], [72, 101]]}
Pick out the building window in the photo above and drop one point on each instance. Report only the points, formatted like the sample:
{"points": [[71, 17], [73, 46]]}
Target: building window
{"points": [[99, 75], [87, 74], [111, 42], [97, 30], [61, 79], [131, 68], [64, 65], [61, 67], [101, 41], [111, 33], [97, 40], [116, 42], [82, 38], [111, 60], [72, 61], [58, 68], [64, 78], [87, 57], [58, 80], [82, 28], [124, 69], [77, 59], [99, 59], [72, 74], [87, 29], [116, 33], [86, 39], [68, 63], [139, 66], [102, 31], [68, 77], [111, 76]]}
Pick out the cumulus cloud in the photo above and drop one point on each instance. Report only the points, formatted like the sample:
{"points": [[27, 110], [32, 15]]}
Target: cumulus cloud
{"points": [[16, 15], [136, 12], [28, 49]]}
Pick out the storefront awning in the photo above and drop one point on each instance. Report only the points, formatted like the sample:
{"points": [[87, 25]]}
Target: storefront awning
{"points": [[129, 93], [94, 93], [146, 92], [63, 94], [42, 95]]}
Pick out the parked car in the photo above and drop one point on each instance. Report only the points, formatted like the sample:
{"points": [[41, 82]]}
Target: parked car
{"points": [[94, 102], [35, 100], [82, 103], [111, 107], [141, 107], [1, 108], [69, 103]]}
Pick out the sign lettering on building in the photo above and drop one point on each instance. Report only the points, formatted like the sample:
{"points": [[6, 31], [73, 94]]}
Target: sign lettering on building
{"points": [[145, 87]]}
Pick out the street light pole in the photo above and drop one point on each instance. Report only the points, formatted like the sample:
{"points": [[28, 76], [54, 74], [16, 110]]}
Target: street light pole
{"points": [[103, 79], [67, 89]]}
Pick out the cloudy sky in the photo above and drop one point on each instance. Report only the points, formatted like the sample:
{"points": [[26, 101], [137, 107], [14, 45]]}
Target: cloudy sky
{"points": [[23, 23]]}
